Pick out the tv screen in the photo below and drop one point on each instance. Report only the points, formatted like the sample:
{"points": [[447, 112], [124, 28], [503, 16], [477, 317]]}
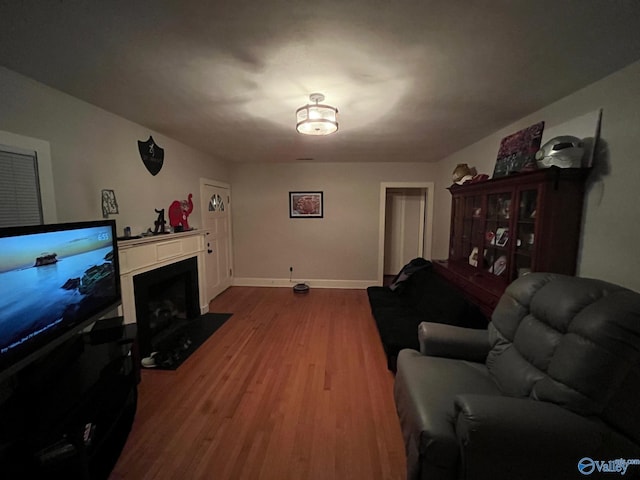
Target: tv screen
{"points": [[54, 280]]}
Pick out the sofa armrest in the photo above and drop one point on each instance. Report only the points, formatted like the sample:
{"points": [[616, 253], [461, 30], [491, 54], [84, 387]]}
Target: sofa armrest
{"points": [[442, 340], [530, 439]]}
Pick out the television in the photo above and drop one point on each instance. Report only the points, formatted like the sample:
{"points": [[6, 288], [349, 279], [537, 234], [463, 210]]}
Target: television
{"points": [[54, 281]]}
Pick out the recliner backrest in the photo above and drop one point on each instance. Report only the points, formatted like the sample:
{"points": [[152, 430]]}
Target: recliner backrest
{"points": [[571, 341]]}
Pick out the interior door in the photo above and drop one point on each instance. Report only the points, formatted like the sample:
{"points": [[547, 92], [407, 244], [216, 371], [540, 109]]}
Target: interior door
{"points": [[216, 214]]}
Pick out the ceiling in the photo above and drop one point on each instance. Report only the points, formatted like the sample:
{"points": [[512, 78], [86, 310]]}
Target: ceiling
{"points": [[414, 80]]}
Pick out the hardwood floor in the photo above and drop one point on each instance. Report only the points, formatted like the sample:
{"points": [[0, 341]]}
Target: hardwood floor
{"points": [[292, 386]]}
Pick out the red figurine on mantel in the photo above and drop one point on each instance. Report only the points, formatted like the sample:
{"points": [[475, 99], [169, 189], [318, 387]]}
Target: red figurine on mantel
{"points": [[179, 212]]}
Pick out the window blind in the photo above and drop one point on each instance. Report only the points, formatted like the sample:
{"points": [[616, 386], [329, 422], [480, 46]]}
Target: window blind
{"points": [[20, 202]]}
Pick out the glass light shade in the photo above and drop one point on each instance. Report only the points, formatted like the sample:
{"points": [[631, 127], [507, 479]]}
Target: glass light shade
{"points": [[317, 119]]}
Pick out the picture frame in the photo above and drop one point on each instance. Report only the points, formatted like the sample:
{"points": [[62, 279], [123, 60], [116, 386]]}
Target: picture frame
{"points": [[502, 237], [306, 204], [499, 266], [109, 203], [473, 258], [517, 151]]}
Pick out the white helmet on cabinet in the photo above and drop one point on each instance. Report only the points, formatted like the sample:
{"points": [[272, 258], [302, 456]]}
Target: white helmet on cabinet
{"points": [[563, 152]]}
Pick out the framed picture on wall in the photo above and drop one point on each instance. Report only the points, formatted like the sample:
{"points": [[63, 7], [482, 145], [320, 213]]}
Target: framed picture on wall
{"points": [[306, 205], [109, 203]]}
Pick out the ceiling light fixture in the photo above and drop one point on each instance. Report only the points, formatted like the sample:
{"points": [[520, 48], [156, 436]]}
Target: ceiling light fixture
{"points": [[315, 118]]}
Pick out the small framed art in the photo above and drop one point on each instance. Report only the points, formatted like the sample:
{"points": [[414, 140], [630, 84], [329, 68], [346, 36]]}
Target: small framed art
{"points": [[502, 237], [499, 266], [306, 205], [109, 203]]}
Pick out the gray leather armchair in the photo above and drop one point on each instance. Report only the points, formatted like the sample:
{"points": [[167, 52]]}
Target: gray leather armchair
{"points": [[549, 391]]}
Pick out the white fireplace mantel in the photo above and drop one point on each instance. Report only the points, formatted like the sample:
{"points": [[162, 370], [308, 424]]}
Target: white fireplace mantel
{"points": [[148, 253]]}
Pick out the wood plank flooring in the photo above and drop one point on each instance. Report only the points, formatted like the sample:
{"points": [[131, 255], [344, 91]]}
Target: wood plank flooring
{"points": [[292, 386]]}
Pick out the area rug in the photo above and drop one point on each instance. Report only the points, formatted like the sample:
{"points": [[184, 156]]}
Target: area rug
{"points": [[186, 341]]}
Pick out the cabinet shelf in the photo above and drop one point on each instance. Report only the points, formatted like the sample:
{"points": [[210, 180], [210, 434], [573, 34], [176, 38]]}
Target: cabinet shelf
{"points": [[513, 225]]}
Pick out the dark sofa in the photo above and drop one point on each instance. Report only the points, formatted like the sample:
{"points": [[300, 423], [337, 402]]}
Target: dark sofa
{"points": [[422, 297]]}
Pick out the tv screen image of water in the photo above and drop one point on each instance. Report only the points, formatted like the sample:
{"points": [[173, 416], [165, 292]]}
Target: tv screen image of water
{"points": [[32, 298]]}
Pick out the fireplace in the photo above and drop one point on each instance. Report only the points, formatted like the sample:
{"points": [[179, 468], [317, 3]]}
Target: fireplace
{"points": [[158, 268], [166, 299]]}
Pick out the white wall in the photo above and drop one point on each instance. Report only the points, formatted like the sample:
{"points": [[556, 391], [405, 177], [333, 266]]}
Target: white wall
{"points": [[611, 232], [92, 149], [344, 246], [341, 246]]}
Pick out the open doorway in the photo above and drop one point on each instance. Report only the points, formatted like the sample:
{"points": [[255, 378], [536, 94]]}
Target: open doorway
{"points": [[406, 225]]}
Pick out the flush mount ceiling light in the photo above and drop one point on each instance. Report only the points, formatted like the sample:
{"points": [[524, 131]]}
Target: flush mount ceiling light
{"points": [[315, 118]]}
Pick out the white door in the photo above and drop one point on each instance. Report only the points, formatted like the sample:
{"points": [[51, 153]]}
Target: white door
{"points": [[216, 214]]}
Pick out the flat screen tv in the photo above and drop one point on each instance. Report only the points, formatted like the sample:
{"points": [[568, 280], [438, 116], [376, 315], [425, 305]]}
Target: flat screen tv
{"points": [[54, 281]]}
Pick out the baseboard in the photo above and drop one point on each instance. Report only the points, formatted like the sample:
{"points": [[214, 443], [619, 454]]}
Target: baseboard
{"points": [[318, 283]]}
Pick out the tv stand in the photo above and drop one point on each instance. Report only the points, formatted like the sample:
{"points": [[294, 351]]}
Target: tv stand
{"points": [[69, 415]]}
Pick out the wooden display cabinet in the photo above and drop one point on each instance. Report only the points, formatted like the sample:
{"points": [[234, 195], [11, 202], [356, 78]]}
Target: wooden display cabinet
{"points": [[509, 226]]}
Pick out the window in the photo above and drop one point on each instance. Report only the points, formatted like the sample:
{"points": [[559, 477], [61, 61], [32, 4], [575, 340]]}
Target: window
{"points": [[20, 201]]}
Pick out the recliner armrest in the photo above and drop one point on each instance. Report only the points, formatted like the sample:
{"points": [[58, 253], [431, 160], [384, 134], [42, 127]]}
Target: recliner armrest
{"points": [[442, 340], [505, 437]]}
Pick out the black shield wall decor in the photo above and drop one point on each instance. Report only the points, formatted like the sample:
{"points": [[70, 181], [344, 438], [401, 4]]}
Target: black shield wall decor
{"points": [[152, 155]]}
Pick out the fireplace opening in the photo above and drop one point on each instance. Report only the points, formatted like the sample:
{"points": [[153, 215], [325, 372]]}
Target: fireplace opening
{"points": [[166, 300]]}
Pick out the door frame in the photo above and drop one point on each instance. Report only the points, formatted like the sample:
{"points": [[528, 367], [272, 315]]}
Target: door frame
{"points": [[217, 183], [428, 188]]}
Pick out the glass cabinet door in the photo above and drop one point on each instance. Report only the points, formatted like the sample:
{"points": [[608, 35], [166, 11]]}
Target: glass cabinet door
{"points": [[466, 236], [525, 235], [455, 241], [471, 226], [497, 236]]}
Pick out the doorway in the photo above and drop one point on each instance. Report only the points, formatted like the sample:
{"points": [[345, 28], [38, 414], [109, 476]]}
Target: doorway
{"points": [[215, 198], [406, 225]]}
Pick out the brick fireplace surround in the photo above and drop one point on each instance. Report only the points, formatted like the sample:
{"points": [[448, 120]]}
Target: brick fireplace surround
{"points": [[145, 254]]}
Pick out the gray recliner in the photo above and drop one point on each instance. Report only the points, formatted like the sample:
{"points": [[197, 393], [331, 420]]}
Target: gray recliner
{"points": [[550, 391]]}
